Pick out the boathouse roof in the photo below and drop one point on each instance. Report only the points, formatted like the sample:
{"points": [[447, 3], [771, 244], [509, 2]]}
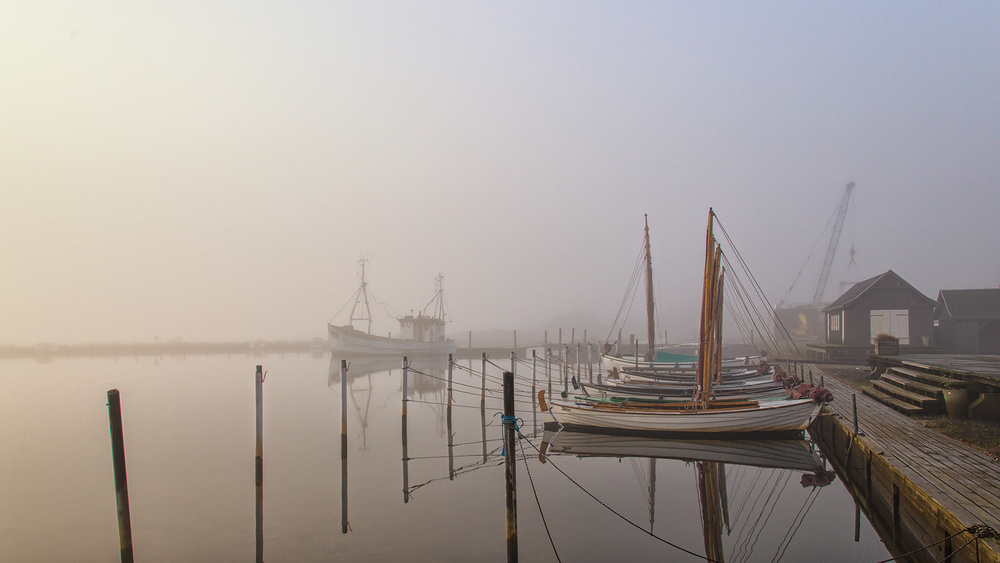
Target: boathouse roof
{"points": [[889, 279], [968, 304]]}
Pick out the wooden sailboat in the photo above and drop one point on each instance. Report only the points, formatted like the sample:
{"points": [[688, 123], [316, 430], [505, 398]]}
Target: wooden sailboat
{"points": [[704, 412], [660, 360]]}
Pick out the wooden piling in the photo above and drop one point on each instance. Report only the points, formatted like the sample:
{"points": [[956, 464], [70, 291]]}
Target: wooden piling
{"points": [[534, 370], [451, 434], [482, 395], [259, 461], [510, 466], [406, 461], [121, 480], [548, 368], [343, 446]]}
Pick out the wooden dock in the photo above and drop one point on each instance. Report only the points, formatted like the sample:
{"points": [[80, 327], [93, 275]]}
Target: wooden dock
{"points": [[917, 486]]}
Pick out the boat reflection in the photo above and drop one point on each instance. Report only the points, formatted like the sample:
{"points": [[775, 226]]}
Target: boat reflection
{"points": [[710, 458]]}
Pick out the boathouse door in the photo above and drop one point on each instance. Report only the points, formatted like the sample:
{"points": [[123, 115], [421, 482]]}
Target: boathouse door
{"points": [[894, 322]]}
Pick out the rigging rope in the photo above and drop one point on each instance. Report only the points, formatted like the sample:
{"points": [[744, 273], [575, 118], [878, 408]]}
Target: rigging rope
{"points": [[615, 512]]}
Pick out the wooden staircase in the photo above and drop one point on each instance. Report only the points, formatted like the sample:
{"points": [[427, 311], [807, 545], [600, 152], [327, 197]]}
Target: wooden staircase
{"points": [[912, 390]]}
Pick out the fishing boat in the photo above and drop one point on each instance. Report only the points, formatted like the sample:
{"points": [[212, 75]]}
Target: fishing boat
{"points": [[704, 412], [420, 334]]}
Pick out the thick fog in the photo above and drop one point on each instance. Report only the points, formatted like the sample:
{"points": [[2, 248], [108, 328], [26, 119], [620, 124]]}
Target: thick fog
{"points": [[214, 171]]}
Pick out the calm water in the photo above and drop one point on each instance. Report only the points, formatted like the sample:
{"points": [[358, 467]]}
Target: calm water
{"points": [[189, 437]]}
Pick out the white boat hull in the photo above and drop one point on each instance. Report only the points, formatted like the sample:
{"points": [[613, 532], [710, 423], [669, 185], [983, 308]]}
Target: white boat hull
{"points": [[784, 454], [609, 362], [782, 415], [348, 340]]}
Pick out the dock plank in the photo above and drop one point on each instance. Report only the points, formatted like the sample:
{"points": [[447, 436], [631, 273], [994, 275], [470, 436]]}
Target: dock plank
{"points": [[962, 479]]}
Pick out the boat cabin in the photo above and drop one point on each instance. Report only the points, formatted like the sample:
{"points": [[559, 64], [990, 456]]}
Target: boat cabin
{"points": [[421, 328]]}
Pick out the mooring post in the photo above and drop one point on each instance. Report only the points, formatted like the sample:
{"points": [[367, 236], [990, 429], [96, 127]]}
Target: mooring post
{"points": [[510, 458], [854, 400], [822, 381], [590, 362], [406, 464], [121, 481], [534, 370], [811, 377], [451, 363], [259, 461], [343, 446], [548, 368], [565, 360], [579, 374], [482, 396], [451, 434]]}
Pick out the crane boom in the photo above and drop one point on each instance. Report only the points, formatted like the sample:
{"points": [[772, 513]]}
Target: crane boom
{"points": [[832, 249]]}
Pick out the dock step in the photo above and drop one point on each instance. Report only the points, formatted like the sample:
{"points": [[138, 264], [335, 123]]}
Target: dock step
{"points": [[922, 401], [909, 384], [905, 408], [929, 378]]}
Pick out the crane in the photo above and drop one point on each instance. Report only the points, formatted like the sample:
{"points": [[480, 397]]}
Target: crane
{"points": [[832, 248]]}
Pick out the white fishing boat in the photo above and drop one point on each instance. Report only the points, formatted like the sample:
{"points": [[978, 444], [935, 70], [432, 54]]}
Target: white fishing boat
{"points": [[420, 334], [704, 413]]}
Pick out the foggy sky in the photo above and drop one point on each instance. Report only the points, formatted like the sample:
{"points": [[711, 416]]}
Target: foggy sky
{"points": [[213, 171]]}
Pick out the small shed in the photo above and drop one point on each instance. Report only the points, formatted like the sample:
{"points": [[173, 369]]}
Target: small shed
{"points": [[884, 304], [967, 321]]}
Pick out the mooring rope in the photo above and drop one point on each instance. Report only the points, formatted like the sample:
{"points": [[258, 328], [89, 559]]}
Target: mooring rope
{"points": [[977, 530], [618, 514], [534, 492]]}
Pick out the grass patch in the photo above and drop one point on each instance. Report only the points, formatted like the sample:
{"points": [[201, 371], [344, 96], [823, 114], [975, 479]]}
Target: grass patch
{"points": [[979, 434]]}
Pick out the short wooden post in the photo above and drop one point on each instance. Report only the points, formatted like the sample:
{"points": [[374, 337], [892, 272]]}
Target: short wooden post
{"points": [[343, 446], [579, 374], [451, 364], [121, 481], [406, 460], [482, 396], [590, 362], [564, 359], [854, 400], [548, 368], [451, 435], [510, 466], [259, 461]]}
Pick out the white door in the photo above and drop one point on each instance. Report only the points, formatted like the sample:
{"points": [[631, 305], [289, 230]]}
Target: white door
{"points": [[894, 322]]}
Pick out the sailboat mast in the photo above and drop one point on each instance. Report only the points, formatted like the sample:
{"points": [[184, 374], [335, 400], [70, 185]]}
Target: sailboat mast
{"points": [[708, 298], [650, 329]]}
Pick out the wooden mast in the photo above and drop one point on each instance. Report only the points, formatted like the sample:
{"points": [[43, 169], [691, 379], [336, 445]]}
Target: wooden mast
{"points": [[650, 329], [710, 308]]}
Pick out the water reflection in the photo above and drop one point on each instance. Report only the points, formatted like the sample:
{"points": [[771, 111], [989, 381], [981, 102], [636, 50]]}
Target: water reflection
{"points": [[710, 458], [192, 496]]}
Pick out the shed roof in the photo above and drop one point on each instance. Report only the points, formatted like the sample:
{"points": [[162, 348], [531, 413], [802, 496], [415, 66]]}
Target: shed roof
{"points": [[859, 289], [969, 303]]}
